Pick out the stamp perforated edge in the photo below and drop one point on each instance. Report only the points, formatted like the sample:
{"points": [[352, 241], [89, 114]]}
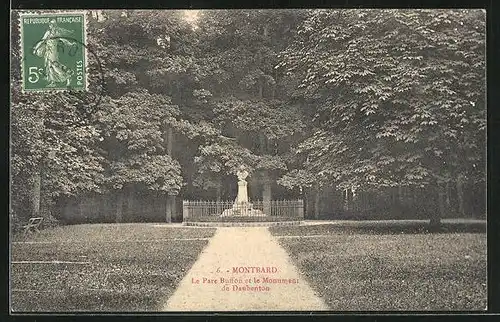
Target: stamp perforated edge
{"points": [[25, 13]]}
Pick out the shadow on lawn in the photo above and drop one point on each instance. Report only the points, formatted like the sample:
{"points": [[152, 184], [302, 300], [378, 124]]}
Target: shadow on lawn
{"points": [[418, 228], [380, 228], [84, 301]]}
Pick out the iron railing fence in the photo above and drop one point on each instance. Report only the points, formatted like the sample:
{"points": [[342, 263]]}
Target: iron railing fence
{"points": [[275, 210]]}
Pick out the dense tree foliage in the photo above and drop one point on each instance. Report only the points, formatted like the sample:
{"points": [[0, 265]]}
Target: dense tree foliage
{"points": [[52, 156], [345, 108], [398, 96]]}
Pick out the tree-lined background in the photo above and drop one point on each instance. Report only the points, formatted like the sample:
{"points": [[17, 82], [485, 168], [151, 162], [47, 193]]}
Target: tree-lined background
{"points": [[364, 114]]}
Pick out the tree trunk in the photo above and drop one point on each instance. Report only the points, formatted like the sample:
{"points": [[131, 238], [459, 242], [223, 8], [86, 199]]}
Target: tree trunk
{"points": [[263, 143], [441, 193], [37, 192], [170, 200], [130, 202], [436, 216], [345, 194], [218, 191], [218, 197], [448, 202], [309, 203], [361, 198], [168, 140], [36, 197], [316, 203], [170, 208], [266, 193], [81, 208], [460, 196], [435, 222], [354, 199], [119, 206], [266, 181]]}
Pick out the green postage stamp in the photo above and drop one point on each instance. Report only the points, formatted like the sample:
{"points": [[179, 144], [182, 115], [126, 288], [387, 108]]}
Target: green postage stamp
{"points": [[54, 53]]}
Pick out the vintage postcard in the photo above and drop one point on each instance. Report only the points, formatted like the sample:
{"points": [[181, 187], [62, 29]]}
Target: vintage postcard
{"points": [[248, 160]]}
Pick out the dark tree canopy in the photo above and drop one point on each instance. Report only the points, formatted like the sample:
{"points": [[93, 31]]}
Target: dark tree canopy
{"points": [[314, 102]]}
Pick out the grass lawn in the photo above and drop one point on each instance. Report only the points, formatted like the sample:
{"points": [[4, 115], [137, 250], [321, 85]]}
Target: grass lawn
{"points": [[396, 268], [123, 267]]}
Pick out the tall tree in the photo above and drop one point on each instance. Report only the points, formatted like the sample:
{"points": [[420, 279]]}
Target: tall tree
{"points": [[146, 56], [248, 101], [53, 154], [396, 92]]}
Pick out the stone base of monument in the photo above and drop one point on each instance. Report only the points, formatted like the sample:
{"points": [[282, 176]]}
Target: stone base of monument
{"points": [[244, 224], [243, 210]]}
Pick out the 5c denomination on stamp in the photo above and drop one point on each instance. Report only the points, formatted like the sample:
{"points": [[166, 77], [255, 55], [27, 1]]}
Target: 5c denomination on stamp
{"points": [[54, 56]]}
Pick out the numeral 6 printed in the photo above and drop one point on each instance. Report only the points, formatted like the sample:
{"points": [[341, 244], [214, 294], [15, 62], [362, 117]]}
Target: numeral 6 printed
{"points": [[33, 74]]}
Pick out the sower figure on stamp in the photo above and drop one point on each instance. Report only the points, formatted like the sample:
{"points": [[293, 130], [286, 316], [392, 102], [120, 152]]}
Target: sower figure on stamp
{"points": [[47, 48]]}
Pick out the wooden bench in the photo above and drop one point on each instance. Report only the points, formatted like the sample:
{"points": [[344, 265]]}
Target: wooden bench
{"points": [[33, 225]]}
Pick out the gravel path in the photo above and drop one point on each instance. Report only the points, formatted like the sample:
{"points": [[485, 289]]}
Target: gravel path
{"points": [[239, 247]]}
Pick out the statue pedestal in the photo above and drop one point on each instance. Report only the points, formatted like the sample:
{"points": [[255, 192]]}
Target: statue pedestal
{"points": [[242, 197]]}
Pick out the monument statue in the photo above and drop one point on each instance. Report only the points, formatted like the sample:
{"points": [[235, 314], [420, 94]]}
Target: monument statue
{"points": [[242, 197], [241, 173], [241, 206]]}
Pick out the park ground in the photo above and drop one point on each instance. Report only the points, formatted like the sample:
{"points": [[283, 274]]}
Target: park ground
{"points": [[383, 265], [391, 265], [102, 267]]}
